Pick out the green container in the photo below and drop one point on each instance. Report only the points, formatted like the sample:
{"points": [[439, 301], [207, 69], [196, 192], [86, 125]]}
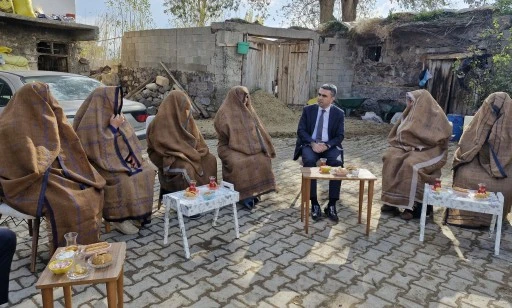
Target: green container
{"points": [[243, 48]]}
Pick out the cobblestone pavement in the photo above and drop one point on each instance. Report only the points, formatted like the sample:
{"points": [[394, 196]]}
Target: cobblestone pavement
{"points": [[275, 264]]}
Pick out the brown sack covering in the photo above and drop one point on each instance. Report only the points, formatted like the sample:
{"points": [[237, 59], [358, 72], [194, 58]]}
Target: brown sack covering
{"points": [[176, 146], [38, 139], [473, 160], [417, 152], [245, 147], [129, 191]]}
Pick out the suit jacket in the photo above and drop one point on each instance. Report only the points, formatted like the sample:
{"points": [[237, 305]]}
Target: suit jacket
{"points": [[335, 130]]}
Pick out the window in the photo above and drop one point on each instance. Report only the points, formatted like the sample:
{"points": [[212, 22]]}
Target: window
{"points": [[52, 56], [5, 93], [373, 53]]}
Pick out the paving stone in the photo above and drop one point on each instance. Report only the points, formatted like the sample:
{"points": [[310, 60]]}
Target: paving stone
{"points": [[205, 302], [225, 293], [255, 296], [136, 289], [170, 287], [408, 303], [314, 299], [222, 278], [276, 264], [269, 269], [175, 300], [197, 290], [165, 276], [282, 298]]}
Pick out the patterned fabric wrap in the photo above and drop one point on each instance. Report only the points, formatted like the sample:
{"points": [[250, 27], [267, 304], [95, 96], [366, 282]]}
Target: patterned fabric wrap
{"points": [[177, 147], [244, 147], [44, 170], [417, 152], [129, 190], [484, 155]]}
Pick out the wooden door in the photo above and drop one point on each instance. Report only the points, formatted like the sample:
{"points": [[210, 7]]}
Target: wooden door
{"points": [[446, 88], [294, 72], [260, 68]]}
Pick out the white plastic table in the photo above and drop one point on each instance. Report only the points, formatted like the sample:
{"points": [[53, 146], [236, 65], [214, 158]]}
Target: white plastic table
{"points": [[224, 195], [449, 199]]}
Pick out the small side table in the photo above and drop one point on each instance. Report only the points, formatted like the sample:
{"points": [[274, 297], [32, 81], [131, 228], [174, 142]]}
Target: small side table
{"points": [[112, 276], [313, 173], [224, 195], [449, 199]]}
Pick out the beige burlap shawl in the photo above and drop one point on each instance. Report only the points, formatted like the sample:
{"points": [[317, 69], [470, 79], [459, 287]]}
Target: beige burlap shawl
{"points": [[484, 155], [129, 190], [44, 169], [244, 147], [177, 147], [417, 151]]}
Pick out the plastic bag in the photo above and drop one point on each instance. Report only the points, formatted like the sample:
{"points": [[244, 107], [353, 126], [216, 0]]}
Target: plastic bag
{"points": [[15, 60], [23, 7], [372, 117], [5, 49], [6, 6]]}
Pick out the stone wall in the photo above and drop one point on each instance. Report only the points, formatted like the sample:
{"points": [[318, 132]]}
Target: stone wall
{"points": [[23, 42], [406, 47], [199, 85], [336, 64]]}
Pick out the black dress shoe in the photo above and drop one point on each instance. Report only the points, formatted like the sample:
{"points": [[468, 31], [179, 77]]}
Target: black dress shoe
{"points": [[330, 212], [316, 212]]}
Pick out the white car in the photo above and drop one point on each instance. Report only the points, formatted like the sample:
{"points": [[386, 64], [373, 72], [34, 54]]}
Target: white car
{"points": [[70, 90]]}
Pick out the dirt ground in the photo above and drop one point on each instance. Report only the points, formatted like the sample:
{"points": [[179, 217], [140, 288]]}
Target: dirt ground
{"points": [[281, 121]]}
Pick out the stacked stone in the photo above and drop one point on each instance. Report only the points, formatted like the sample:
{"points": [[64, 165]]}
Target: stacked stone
{"points": [[154, 93]]}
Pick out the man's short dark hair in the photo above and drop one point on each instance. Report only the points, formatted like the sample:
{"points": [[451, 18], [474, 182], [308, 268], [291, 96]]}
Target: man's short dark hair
{"points": [[330, 87]]}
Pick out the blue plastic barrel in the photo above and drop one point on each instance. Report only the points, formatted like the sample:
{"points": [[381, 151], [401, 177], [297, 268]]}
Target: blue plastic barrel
{"points": [[457, 121]]}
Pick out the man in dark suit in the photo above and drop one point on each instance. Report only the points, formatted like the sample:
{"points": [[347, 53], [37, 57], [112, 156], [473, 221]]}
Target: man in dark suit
{"points": [[319, 135]]}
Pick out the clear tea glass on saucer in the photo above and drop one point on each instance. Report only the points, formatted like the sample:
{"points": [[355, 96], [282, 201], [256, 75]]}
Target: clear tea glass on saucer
{"points": [[70, 238], [192, 186], [323, 162], [482, 189], [213, 183]]}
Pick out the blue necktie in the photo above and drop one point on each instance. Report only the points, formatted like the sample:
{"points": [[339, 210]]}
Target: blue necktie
{"points": [[320, 127]]}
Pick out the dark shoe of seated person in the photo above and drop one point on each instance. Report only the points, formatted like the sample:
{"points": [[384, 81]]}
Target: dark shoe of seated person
{"points": [[330, 211], [248, 203], [316, 212], [386, 208], [415, 213], [194, 217]]}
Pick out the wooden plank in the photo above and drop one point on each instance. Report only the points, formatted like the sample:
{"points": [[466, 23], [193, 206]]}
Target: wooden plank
{"points": [[172, 77], [139, 88], [450, 56]]}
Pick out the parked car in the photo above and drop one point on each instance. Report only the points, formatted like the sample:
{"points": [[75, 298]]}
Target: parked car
{"points": [[70, 90]]}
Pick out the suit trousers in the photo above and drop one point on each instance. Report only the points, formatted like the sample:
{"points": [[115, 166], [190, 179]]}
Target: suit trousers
{"points": [[334, 157], [7, 249]]}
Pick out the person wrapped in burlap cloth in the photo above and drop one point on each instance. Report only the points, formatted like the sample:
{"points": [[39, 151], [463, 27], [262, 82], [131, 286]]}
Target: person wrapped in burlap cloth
{"points": [[177, 147], [114, 150], [245, 147], [484, 156], [417, 151], [44, 170]]}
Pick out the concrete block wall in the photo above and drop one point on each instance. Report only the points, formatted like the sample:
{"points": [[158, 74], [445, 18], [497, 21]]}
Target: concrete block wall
{"points": [[187, 49], [336, 64], [227, 66]]}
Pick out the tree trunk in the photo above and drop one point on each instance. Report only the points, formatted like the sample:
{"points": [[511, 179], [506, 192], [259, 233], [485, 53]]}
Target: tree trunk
{"points": [[326, 10], [348, 10]]}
